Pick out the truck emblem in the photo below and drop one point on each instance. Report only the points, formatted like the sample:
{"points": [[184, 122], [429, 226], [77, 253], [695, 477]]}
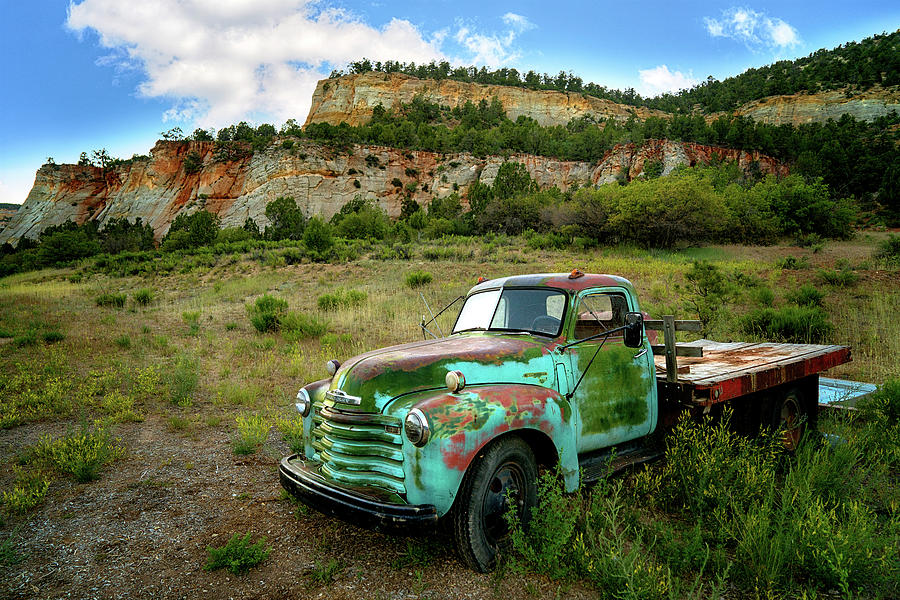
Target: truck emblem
{"points": [[342, 398]]}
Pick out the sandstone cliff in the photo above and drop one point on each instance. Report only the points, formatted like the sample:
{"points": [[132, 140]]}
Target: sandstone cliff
{"points": [[798, 109], [7, 211], [319, 178], [351, 98]]}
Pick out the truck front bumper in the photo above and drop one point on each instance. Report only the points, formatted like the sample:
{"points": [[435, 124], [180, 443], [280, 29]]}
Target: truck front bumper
{"points": [[350, 504]]}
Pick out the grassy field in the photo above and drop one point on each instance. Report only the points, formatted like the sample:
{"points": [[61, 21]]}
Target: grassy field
{"points": [[125, 379]]}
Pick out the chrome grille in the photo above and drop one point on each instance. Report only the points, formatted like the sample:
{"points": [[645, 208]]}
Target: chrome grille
{"points": [[356, 449]]}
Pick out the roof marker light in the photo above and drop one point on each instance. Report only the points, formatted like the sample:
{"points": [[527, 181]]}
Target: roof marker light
{"points": [[575, 274]]}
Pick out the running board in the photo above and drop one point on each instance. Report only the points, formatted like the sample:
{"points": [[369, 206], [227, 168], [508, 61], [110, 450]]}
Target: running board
{"points": [[598, 465]]}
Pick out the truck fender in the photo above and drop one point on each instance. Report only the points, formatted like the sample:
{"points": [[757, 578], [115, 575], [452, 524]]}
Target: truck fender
{"points": [[462, 424]]}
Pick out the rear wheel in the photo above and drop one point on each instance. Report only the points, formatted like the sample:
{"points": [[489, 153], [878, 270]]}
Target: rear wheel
{"points": [[790, 415], [503, 475]]}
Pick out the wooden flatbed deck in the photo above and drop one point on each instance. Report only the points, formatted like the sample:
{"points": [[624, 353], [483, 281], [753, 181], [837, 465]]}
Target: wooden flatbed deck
{"points": [[734, 369]]}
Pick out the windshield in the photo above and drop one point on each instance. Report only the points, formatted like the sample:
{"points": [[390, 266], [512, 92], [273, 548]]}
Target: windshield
{"points": [[533, 310]]}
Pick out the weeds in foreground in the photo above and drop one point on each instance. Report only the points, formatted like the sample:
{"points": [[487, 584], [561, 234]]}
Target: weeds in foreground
{"points": [[325, 573], [252, 430], [8, 554], [416, 553], [80, 455], [184, 381], [29, 490], [238, 555], [292, 432]]}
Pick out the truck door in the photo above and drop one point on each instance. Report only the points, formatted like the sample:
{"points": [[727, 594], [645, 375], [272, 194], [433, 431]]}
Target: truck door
{"points": [[616, 400]]}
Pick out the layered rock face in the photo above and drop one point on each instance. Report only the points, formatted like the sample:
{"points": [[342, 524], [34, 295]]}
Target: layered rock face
{"points": [[353, 97], [798, 109], [319, 178], [7, 211]]}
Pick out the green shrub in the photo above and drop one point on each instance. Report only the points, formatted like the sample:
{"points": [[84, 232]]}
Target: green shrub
{"points": [[114, 300], [265, 314], [297, 325], [416, 279], [792, 262], [28, 491], [252, 430], [80, 455], [286, 220], [191, 231], [53, 336], [292, 433], [797, 324], [183, 381], [123, 342], [763, 295], [889, 248], [318, 236], [341, 298], [806, 295], [192, 320], [238, 555], [711, 472], [324, 573], [143, 296], [843, 277], [28, 338]]}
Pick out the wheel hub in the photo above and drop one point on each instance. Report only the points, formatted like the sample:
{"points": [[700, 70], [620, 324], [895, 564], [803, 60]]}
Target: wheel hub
{"points": [[505, 489]]}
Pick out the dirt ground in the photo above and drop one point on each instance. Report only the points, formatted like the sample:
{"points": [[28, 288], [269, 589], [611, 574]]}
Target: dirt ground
{"points": [[142, 529]]}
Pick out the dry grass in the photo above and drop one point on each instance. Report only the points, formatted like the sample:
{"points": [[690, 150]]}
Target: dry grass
{"points": [[238, 368]]}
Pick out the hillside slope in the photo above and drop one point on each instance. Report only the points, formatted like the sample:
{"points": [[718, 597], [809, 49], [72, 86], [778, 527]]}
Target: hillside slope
{"points": [[318, 177]]}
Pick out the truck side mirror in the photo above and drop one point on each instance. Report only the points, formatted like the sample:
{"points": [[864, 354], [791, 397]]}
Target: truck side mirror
{"points": [[634, 330]]}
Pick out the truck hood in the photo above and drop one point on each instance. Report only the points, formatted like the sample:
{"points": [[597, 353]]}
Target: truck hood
{"points": [[379, 376]]}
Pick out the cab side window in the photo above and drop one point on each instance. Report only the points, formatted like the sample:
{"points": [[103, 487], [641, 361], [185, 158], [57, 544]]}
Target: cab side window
{"points": [[596, 313]]}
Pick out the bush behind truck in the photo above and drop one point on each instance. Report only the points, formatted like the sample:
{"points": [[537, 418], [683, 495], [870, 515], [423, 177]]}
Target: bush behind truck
{"points": [[539, 370]]}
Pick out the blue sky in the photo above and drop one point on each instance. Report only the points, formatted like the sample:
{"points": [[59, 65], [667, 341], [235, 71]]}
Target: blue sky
{"points": [[89, 74]]}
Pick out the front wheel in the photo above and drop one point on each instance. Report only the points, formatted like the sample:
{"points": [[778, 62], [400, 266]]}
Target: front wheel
{"points": [[503, 475]]}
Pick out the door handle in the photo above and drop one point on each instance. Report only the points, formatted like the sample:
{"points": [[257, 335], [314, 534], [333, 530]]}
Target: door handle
{"points": [[640, 354]]}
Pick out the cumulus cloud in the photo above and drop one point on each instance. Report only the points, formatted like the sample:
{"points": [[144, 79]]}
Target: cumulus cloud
{"points": [[754, 29], [659, 80], [220, 61]]}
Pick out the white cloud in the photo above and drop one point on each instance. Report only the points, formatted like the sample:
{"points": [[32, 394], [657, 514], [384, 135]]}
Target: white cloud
{"points": [[494, 49], [518, 22], [754, 29], [220, 61], [660, 79]]}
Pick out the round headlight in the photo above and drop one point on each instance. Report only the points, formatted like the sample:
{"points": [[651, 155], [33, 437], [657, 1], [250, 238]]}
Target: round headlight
{"points": [[416, 427], [303, 402], [332, 366], [455, 381]]}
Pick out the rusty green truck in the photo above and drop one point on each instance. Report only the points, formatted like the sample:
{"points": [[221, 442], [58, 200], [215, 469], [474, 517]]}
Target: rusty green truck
{"points": [[539, 370]]}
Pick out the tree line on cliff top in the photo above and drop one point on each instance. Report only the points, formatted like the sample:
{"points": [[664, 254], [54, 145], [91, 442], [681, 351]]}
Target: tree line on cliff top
{"points": [[873, 61]]}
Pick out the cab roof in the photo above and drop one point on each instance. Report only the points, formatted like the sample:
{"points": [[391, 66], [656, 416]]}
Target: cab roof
{"points": [[555, 280]]}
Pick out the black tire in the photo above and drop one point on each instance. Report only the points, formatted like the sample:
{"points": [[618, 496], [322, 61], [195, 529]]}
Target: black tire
{"points": [[790, 413], [479, 528]]}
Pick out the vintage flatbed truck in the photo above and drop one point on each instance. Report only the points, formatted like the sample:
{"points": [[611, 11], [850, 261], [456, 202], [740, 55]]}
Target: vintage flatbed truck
{"points": [[539, 370]]}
